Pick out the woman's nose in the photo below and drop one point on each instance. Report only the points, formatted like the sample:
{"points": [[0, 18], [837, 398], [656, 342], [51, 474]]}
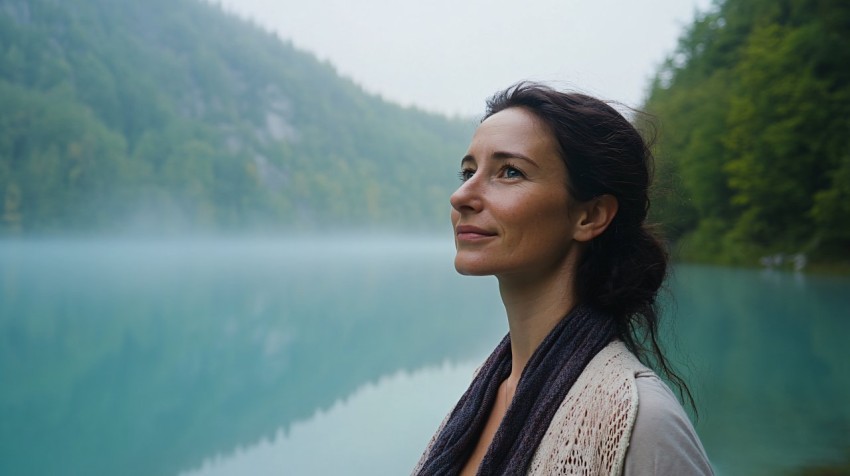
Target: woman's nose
{"points": [[467, 197]]}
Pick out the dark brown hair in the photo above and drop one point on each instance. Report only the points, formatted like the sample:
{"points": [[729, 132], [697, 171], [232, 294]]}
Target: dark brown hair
{"points": [[621, 270]]}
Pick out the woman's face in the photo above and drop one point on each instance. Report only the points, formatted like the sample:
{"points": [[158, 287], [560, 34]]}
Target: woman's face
{"points": [[511, 214]]}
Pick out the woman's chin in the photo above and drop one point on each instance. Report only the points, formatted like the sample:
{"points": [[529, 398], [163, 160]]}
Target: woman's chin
{"points": [[467, 268]]}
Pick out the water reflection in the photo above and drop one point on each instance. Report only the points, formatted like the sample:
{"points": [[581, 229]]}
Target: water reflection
{"points": [[139, 358], [153, 358], [381, 428], [771, 368]]}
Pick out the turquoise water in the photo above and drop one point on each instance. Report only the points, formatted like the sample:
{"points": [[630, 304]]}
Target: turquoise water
{"points": [[324, 356]]}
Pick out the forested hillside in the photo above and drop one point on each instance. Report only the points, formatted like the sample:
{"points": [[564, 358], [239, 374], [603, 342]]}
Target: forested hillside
{"points": [[754, 150], [164, 115]]}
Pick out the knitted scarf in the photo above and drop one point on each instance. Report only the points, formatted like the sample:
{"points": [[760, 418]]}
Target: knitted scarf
{"points": [[543, 385]]}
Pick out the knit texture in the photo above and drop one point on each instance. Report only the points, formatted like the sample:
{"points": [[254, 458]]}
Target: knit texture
{"points": [[548, 376], [590, 431]]}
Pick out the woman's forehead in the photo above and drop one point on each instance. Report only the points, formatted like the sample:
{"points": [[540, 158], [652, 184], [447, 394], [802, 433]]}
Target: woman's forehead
{"points": [[515, 128]]}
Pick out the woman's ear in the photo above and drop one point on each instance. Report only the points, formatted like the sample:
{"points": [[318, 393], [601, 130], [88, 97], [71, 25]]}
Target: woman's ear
{"points": [[594, 217]]}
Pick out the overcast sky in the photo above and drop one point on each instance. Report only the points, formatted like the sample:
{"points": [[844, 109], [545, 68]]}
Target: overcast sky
{"points": [[449, 55]]}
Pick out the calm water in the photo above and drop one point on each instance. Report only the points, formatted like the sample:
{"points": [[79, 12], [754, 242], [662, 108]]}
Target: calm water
{"points": [[341, 357]]}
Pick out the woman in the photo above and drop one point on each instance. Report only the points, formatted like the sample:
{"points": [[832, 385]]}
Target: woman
{"points": [[553, 201]]}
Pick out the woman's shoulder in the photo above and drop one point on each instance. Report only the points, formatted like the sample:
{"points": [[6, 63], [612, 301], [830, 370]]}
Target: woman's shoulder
{"points": [[621, 405], [663, 440], [592, 425]]}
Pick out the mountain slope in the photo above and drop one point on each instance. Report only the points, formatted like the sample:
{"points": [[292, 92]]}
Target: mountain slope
{"points": [[173, 115]]}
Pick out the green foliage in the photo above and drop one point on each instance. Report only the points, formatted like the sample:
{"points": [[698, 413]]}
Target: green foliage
{"points": [[832, 205], [755, 113], [172, 115], [53, 155]]}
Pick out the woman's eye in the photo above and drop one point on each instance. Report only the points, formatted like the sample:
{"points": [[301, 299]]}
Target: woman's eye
{"points": [[512, 172], [465, 174]]}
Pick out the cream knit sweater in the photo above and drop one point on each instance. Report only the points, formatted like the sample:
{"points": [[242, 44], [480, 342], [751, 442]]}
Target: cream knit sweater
{"points": [[589, 434]]}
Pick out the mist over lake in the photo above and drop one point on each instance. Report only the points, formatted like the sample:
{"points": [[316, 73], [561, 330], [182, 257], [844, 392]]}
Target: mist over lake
{"points": [[262, 356]]}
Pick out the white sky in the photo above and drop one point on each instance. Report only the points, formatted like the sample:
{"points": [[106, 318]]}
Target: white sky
{"points": [[449, 55]]}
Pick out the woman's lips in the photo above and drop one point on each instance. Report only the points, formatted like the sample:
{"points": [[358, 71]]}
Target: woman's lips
{"points": [[472, 233]]}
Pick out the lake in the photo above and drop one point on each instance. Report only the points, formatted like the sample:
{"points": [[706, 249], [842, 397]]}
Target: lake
{"points": [[322, 356]]}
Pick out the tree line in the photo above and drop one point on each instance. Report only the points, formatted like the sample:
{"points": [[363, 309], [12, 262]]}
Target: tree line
{"points": [[173, 115], [753, 156]]}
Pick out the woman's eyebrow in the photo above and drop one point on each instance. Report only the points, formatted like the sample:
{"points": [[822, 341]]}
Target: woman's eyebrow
{"points": [[500, 155]]}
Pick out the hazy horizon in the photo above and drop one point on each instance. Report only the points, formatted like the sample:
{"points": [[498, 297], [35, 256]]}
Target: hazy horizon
{"points": [[448, 58]]}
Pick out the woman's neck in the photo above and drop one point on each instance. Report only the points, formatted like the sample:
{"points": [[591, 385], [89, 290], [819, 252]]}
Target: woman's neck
{"points": [[534, 307]]}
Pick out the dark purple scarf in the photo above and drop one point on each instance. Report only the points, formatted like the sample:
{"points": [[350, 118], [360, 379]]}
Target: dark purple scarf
{"points": [[548, 376]]}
